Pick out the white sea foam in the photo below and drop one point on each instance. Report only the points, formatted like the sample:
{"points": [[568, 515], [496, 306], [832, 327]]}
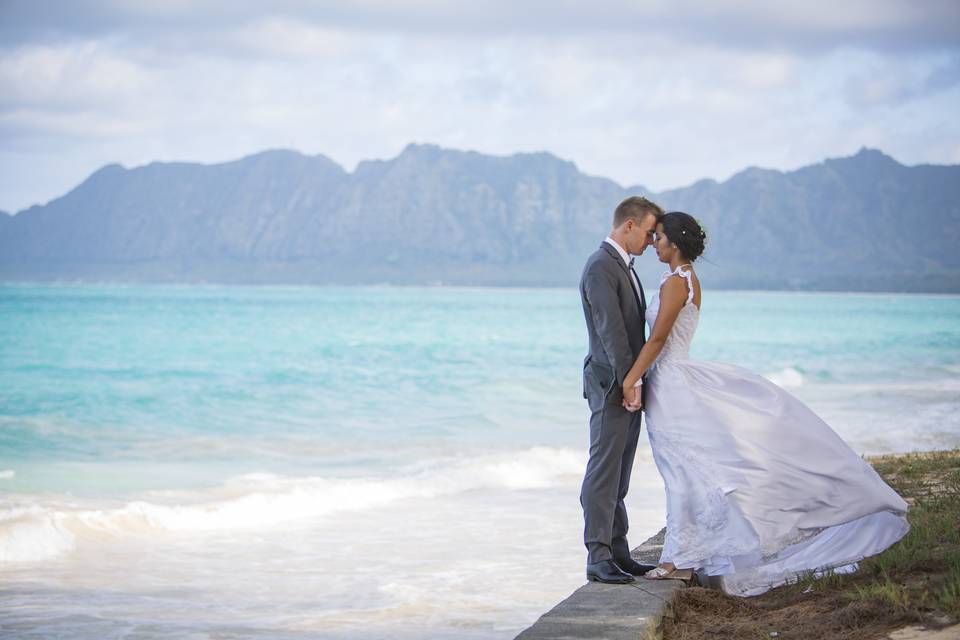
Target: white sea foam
{"points": [[30, 532], [33, 533], [788, 378], [7, 474]]}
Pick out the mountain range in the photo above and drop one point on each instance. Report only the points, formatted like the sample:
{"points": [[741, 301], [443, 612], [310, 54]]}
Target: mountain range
{"points": [[440, 216]]}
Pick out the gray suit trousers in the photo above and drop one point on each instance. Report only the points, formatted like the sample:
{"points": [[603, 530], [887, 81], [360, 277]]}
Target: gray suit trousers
{"points": [[614, 433]]}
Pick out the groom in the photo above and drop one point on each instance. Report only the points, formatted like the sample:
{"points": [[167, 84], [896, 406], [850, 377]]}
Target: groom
{"points": [[614, 306]]}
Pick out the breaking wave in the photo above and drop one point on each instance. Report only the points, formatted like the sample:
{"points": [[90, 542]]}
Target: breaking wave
{"points": [[32, 532]]}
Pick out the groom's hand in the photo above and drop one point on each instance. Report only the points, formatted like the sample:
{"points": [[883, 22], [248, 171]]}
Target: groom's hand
{"points": [[632, 399]]}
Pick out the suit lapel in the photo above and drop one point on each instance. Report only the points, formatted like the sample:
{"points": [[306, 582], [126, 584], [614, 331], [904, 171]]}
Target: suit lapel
{"points": [[638, 296], [643, 298]]}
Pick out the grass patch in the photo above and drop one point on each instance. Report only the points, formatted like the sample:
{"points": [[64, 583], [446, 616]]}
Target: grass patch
{"points": [[916, 581]]}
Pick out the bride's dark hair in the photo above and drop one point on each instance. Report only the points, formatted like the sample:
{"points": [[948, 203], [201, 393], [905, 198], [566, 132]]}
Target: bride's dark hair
{"points": [[683, 230]]}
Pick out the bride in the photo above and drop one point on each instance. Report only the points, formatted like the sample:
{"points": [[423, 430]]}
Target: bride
{"points": [[759, 489]]}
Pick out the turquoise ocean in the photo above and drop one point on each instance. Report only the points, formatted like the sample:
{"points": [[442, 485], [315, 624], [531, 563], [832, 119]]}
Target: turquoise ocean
{"points": [[380, 462]]}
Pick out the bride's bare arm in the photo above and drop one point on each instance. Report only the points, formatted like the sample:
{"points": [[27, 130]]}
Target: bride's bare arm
{"points": [[673, 295]]}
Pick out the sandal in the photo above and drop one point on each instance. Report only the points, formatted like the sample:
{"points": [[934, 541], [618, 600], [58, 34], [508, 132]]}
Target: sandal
{"points": [[658, 574]]}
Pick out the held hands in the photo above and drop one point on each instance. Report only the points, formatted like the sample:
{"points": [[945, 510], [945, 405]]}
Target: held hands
{"points": [[632, 397]]}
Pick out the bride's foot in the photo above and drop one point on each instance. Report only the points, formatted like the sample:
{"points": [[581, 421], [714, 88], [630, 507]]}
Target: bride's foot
{"points": [[662, 572]]}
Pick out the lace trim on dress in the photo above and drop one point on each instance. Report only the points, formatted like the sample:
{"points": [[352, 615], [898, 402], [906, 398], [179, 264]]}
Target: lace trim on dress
{"points": [[702, 536], [686, 275]]}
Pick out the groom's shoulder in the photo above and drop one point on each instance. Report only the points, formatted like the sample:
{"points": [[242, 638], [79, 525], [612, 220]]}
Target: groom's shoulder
{"points": [[600, 256], [598, 260]]}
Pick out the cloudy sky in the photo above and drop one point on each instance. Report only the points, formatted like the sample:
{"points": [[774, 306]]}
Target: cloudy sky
{"points": [[659, 93]]}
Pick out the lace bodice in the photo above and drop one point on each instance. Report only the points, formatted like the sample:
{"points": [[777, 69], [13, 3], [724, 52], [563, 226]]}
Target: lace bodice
{"points": [[678, 342]]}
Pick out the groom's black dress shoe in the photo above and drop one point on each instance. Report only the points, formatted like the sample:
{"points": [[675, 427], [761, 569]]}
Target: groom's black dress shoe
{"points": [[633, 567], [607, 571]]}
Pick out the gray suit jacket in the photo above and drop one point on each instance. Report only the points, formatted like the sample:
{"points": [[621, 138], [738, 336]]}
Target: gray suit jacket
{"points": [[615, 324]]}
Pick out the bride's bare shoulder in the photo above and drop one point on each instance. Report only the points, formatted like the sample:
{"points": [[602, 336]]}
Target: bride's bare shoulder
{"points": [[673, 287]]}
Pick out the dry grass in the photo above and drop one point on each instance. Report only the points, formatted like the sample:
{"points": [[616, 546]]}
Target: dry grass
{"points": [[915, 581]]}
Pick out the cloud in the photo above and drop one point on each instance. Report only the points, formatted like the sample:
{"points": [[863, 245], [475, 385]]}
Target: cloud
{"points": [[945, 76], [886, 82], [654, 93], [879, 24], [64, 76]]}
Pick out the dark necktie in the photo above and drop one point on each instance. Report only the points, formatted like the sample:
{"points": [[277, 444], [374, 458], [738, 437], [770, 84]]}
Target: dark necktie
{"points": [[635, 281], [633, 273]]}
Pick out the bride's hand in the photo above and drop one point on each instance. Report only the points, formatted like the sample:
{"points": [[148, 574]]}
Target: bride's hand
{"points": [[632, 400]]}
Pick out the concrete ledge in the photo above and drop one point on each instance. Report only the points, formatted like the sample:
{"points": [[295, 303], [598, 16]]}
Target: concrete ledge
{"points": [[610, 612]]}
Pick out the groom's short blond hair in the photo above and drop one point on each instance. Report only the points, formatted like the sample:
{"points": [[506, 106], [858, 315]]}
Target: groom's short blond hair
{"points": [[635, 207]]}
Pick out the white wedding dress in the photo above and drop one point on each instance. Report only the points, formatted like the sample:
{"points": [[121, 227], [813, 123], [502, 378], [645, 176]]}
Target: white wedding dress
{"points": [[759, 489]]}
